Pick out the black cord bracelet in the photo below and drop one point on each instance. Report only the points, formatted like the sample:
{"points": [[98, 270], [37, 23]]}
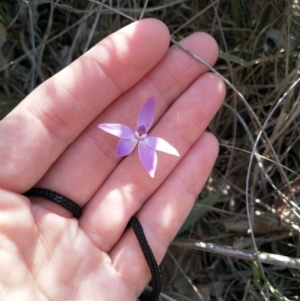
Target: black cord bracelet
{"points": [[56, 198], [148, 254], [71, 206]]}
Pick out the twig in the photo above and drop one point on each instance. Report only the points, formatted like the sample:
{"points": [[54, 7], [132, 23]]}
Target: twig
{"points": [[269, 258]]}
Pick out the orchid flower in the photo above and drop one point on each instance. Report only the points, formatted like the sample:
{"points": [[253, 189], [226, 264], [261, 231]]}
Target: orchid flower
{"points": [[147, 145]]}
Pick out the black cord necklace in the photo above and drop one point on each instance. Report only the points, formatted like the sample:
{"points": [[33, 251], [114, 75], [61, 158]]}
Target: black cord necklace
{"points": [[71, 206]]}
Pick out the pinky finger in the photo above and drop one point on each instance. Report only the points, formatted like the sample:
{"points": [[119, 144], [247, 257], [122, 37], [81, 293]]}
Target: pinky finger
{"points": [[165, 212]]}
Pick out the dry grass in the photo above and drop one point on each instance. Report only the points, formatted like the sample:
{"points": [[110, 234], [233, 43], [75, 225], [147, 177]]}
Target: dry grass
{"points": [[255, 182]]}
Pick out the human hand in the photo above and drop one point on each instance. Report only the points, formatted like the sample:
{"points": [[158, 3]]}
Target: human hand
{"points": [[52, 140]]}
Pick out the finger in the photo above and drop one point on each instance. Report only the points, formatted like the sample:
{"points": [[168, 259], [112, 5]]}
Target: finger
{"points": [[50, 118], [165, 212], [91, 158], [129, 186]]}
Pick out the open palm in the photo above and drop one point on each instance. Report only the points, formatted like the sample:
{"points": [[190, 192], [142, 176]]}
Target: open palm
{"points": [[51, 140]]}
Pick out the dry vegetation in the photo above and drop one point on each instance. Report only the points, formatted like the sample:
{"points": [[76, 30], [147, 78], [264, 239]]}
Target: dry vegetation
{"points": [[242, 241]]}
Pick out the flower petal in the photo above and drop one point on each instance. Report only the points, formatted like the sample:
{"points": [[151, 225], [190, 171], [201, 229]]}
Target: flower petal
{"points": [[126, 146], [148, 157], [147, 114], [116, 129], [161, 145]]}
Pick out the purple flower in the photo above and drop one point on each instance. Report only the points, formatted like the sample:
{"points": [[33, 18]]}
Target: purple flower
{"points": [[147, 145]]}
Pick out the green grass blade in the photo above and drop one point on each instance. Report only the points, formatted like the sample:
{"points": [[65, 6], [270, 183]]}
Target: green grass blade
{"points": [[196, 214], [233, 58]]}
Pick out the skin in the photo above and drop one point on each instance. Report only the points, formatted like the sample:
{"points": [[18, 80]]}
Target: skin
{"points": [[51, 140]]}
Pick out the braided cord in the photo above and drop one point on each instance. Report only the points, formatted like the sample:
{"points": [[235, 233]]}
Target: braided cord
{"points": [[56, 198], [71, 206], [150, 259]]}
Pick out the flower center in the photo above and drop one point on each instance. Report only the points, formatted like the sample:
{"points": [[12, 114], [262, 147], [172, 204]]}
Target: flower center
{"points": [[141, 133]]}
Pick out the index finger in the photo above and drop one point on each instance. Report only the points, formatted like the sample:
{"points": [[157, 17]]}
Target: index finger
{"points": [[34, 135]]}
